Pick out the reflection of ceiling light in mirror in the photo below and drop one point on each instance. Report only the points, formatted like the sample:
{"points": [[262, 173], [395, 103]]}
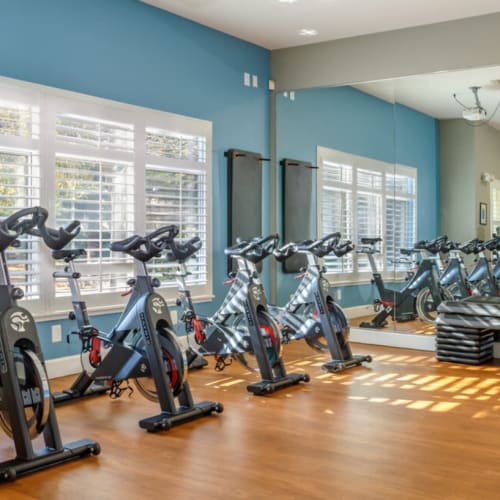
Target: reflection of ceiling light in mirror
{"points": [[475, 114], [308, 32]]}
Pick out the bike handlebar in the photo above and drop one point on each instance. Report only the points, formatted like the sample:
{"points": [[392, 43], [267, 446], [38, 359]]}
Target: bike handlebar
{"points": [[254, 250], [433, 246], [285, 252], [56, 239], [20, 222], [471, 246], [170, 233], [139, 247]]}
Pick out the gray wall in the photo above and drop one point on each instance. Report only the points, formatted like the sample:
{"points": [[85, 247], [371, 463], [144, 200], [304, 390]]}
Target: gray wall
{"points": [[458, 180], [487, 150], [466, 43], [466, 153]]}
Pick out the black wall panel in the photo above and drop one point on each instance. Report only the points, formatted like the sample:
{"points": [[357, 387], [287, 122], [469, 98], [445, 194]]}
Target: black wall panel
{"points": [[296, 207], [244, 194]]}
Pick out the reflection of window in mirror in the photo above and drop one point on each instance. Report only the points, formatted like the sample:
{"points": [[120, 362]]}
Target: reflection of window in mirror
{"points": [[495, 207], [362, 197]]}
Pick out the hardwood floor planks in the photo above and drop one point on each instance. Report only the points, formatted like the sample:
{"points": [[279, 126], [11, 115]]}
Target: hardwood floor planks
{"points": [[402, 427]]}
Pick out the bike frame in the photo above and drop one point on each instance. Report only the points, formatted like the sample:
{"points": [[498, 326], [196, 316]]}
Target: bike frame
{"points": [[455, 274], [145, 313]]}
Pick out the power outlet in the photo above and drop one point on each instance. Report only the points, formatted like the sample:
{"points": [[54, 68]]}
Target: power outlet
{"points": [[56, 333], [173, 315]]}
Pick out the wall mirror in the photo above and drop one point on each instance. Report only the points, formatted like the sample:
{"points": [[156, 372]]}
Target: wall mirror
{"points": [[402, 160]]}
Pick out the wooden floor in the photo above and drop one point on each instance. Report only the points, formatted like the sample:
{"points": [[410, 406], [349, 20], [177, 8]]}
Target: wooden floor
{"points": [[404, 427]]}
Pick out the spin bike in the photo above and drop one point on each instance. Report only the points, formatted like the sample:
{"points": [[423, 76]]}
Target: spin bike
{"points": [[204, 336], [26, 408], [142, 345], [454, 275], [419, 297], [481, 278], [242, 326], [311, 313]]}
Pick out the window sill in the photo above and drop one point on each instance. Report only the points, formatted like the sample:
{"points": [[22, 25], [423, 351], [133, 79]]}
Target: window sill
{"points": [[111, 309]]}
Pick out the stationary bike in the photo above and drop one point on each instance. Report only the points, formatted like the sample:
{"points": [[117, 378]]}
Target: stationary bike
{"points": [[26, 408], [205, 337], [141, 346], [481, 277], [419, 297], [311, 312], [245, 312], [454, 275]]}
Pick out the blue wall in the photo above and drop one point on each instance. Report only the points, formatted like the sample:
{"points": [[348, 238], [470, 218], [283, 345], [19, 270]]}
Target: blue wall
{"points": [[352, 121], [134, 53]]}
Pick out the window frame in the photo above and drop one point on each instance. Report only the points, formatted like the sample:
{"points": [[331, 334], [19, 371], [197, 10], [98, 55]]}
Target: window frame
{"points": [[364, 163], [52, 101]]}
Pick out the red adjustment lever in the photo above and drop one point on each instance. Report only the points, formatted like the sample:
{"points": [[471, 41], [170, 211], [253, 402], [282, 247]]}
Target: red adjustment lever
{"points": [[228, 282], [128, 292], [299, 276], [95, 352], [199, 333]]}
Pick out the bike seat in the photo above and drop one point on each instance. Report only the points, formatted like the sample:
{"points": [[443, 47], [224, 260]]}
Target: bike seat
{"points": [[370, 241], [68, 255]]}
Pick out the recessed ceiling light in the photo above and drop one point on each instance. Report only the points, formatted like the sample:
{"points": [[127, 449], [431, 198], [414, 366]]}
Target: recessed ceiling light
{"points": [[308, 32], [288, 1]]}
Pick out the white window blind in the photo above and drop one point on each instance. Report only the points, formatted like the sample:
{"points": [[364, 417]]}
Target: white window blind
{"points": [[118, 169], [20, 183], [495, 207], [100, 194], [19, 119], [360, 197], [20, 188], [167, 144], [176, 193], [94, 133]]}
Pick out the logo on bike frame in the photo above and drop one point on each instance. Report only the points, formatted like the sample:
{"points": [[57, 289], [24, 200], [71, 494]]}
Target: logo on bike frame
{"points": [[18, 320], [157, 305]]}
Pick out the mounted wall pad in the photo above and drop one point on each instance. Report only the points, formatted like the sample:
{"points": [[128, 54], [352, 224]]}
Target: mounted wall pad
{"points": [[296, 207], [244, 170]]}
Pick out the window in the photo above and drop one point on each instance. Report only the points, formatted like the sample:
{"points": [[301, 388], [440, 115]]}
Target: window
{"points": [[360, 197], [495, 207], [116, 168]]}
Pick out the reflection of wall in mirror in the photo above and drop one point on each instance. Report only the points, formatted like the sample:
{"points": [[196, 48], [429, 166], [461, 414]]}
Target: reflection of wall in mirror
{"points": [[349, 120]]}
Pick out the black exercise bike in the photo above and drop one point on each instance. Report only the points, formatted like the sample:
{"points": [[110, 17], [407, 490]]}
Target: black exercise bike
{"points": [[26, 407], [242, 326], [311, 312], [421, 295], [142, 346]]}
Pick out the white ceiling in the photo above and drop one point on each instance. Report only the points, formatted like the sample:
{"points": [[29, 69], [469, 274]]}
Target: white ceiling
{"points": [[432, 94], [275, 25]]}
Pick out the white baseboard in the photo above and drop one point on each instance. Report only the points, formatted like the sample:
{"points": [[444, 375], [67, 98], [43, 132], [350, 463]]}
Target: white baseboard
{"points": [[393, 339], [60, 367], [358, 311]]}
